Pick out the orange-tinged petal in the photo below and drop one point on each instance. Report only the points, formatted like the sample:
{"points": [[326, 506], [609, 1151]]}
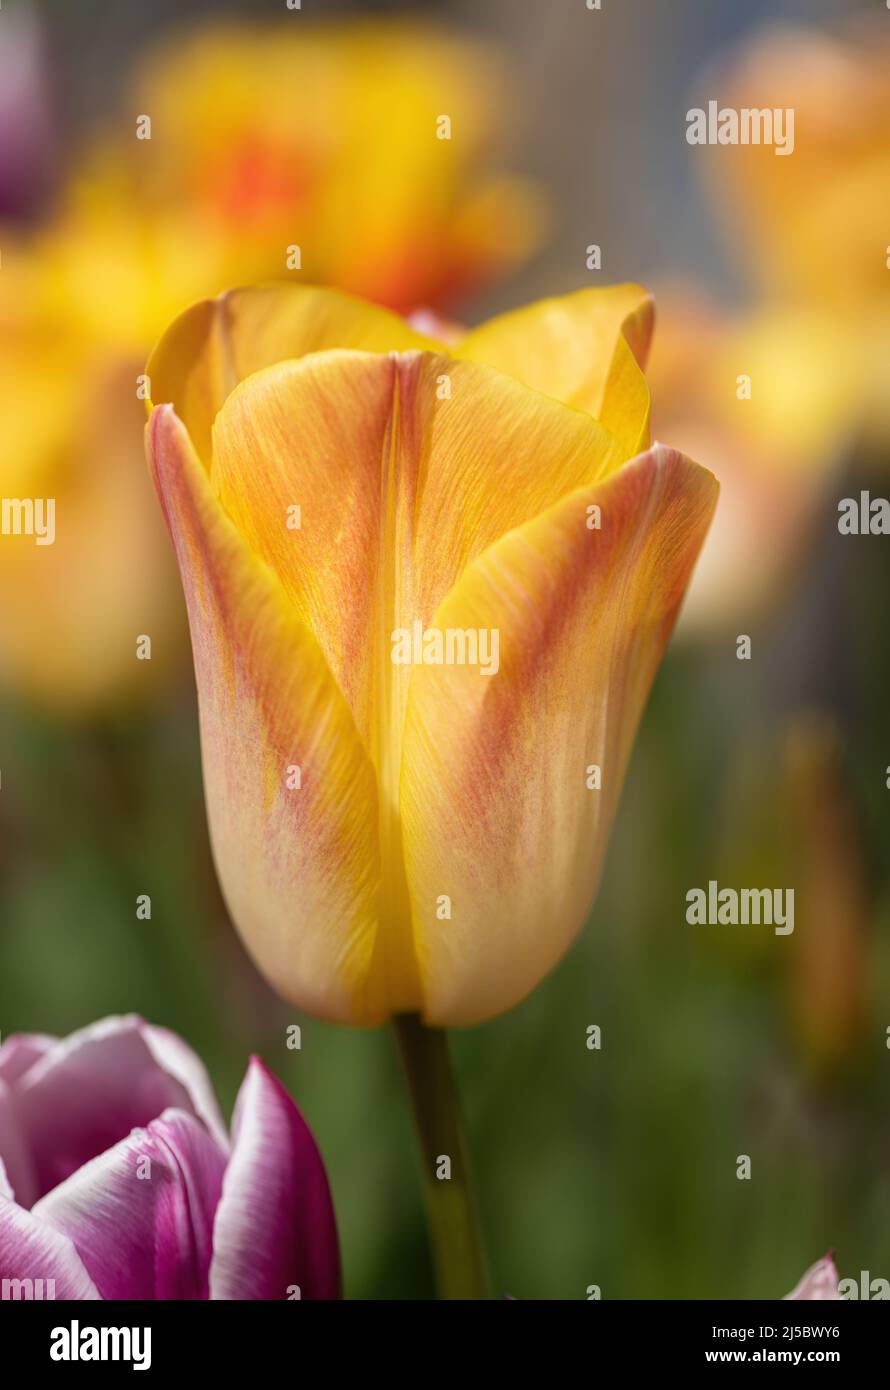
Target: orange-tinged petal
{"points": [[399, 489], [300, 867], [586, 349], [214, 345], [496, 812]]}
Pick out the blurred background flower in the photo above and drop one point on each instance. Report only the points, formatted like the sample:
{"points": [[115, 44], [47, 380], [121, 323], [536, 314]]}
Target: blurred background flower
{"points": [[808, 231], [772, 398], [271, 153], [614, 1166], [26, 120]]}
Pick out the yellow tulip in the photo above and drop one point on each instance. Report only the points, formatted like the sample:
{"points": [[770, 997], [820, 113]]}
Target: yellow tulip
{"points": [[417, 838], [359, 155], [76, 598], [766, 395], [813, 224]]}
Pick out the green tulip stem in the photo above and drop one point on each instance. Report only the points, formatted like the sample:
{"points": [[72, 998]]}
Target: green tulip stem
{"points": [[455, 1235]]}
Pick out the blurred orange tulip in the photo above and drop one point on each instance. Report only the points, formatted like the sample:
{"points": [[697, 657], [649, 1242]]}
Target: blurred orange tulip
{"points": [[421, 837]]}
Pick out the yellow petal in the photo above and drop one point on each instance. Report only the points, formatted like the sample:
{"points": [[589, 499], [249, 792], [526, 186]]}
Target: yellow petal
{"points": [[404, 467], [496, 813], [586, 349], [213, 346], [300, 867], [398, 491]]}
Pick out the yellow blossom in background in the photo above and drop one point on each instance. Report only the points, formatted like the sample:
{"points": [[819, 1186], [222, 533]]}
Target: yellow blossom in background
{"points": [[262, 139], [359, 156], [420, 835], [75, 602], [813, 227], [779, 393], [770, 399]]}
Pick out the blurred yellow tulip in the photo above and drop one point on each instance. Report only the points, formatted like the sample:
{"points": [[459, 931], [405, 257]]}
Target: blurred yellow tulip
{"points": [[813, 226], [779, 394], [769, 396], [75, 602], [262, 138], [395, 833], [357, 156]]}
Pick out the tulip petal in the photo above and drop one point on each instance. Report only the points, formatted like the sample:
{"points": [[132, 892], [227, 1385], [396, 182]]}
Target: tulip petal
{"points": [[17, 1055], [400, 484], [275, 1226], [399, 490], [585, 349], [141, 1214], [496, 813], [818, 1284], [30, 1249], [14, 1150], [91, 1089], [178, 1060], [299, 865], [213, 346], [20, 1052]]}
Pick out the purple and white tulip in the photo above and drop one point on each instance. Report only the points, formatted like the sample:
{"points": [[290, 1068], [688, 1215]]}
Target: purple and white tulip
{"points": [[118, 1179], [819, 1284]]}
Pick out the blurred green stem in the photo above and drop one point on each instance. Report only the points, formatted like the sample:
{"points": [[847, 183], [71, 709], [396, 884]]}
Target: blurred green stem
{"points": [[455, 1235]]}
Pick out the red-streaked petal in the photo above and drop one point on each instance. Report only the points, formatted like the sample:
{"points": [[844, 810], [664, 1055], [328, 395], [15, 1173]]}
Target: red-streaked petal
{"points": [[299, 864], [496, 813], [214, 345]]}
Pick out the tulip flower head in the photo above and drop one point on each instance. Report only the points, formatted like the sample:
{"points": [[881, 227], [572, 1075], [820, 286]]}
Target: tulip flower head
{"points": [[417, 835], [118, 1180], [818, 1285]]}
